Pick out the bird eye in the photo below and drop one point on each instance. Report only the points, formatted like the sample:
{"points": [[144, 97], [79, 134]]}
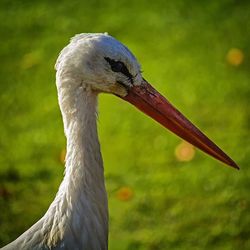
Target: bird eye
{"points": [[118, 66]]}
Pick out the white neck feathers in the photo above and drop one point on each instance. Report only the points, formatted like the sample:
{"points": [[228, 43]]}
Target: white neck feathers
{"points": [[79, 213]]}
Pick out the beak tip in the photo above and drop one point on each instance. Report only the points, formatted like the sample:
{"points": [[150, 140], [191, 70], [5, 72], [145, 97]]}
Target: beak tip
{"points": [[237, 167], [234, 165]]}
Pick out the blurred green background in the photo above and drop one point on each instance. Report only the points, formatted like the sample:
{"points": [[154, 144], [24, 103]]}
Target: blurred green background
{"points": [[163, 194]]}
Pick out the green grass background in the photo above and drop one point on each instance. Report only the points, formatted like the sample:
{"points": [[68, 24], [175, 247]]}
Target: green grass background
{"points": [[182, 47]]}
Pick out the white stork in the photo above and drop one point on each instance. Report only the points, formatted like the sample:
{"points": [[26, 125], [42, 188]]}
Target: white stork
{"points": [[89, 65]]}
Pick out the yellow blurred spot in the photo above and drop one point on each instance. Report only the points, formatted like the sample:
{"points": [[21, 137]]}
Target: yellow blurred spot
{"points": [[29, 60], [184, 152], [235, 57], [62, 156], [125, 194]]}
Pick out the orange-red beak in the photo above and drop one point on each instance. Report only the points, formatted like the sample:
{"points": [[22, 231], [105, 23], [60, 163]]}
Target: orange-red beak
{"points": [[152, 103]]}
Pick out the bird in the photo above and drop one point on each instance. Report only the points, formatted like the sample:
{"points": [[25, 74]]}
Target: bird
{"points": [[91, 64]]}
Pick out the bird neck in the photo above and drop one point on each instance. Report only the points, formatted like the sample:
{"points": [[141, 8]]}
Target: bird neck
{"points": [[79, 212]]}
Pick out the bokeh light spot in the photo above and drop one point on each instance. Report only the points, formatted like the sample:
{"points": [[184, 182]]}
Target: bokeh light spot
{"points": [[29, 60], [235, 57], [125, 194], [184, 151]]}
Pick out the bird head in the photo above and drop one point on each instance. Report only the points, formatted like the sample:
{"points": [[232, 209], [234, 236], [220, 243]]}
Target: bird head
{"points": [[105, 65]]}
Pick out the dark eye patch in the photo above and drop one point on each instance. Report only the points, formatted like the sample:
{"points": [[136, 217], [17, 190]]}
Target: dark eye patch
{"points": [[118, 66]]}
